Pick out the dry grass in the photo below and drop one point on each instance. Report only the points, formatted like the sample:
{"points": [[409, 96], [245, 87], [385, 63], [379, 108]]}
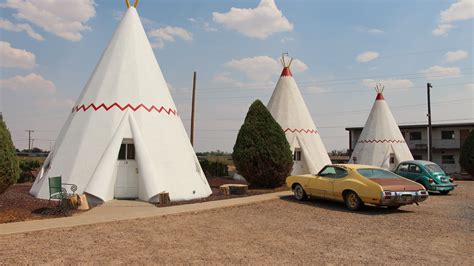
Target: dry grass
{"points": [[439, 231]]}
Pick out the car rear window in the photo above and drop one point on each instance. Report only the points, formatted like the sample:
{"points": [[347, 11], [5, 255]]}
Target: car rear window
{"points": [[376, 173], [434, 168]]}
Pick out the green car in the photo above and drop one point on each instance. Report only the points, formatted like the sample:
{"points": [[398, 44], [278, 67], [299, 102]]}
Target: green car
{"points": [[429, 174]]}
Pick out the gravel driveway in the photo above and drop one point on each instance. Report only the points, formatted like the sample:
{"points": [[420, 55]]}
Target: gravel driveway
{"points": [[440, 230]]}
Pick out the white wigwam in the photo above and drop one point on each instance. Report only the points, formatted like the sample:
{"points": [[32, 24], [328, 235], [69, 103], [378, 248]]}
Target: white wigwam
{"points": [[288, 108], [124, 138], [381, 143]]}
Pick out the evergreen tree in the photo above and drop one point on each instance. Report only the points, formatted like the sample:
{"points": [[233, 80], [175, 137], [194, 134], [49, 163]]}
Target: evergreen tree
{"points": [[261, 153], [9, 167], [466, 160]]}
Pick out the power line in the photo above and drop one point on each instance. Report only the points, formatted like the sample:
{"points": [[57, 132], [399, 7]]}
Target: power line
{"points": [[251, 86], [328, 92]]}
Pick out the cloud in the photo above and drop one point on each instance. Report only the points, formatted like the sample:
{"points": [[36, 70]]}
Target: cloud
{"points": [[389, 83], [9, 26], [66, 19], [315, 89], [375, 31], [439, 72], [260, 22], [453, 56], [225, 79], [459, 11], [372, 31], [31, 82], [262, 68], [200, 23], [442, 29], [367, 56], [168, 34], [287, 39], [469, 86], [13, 57]]}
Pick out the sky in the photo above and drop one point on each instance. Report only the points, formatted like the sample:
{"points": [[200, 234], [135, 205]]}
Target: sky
{"points": [[49, 48]]}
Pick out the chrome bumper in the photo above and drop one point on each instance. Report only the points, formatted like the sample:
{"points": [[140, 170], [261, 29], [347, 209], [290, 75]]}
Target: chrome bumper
{"points": [[443, 185], [390, 198]]}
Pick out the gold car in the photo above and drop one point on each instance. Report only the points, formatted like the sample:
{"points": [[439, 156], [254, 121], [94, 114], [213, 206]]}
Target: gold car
{"points": [[356, 185]]}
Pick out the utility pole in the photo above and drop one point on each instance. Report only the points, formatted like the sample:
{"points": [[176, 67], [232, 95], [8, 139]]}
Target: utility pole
{"points": [[29, 138], [192, 108], [430, 142]]}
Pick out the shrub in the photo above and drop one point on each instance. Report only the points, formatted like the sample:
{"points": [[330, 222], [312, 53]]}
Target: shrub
{"points": [[9, 169], [27, 166], [466, 160], [262, 154], [214, 168]]}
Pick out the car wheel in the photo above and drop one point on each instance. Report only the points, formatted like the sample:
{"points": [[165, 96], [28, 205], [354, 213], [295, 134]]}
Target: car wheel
{"points": [[444, 192], [394, 207], [299, 192], [352, 201]]}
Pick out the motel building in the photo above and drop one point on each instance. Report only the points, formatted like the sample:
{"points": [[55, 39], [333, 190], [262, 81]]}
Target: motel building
{"points": [[446, 144]]}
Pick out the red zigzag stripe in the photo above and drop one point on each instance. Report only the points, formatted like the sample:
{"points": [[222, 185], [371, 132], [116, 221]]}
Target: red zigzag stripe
{"points": [[307, 131], [381, 141], [84, 108]]}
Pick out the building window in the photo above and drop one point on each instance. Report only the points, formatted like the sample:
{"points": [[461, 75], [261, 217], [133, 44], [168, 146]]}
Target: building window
{"points": [[417, 157], [297, 155], [392, 158], [447, 159], [415, 135], [447, 134]]}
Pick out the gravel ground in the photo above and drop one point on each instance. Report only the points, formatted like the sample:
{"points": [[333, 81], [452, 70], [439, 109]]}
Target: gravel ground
{"points": [[275, 232]]}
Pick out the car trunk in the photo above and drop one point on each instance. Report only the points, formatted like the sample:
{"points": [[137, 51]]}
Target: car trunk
{"points": [[397, 184]]}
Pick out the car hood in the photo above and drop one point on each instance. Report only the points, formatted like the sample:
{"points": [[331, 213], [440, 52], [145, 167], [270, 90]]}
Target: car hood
{"points": [[397, 184]]}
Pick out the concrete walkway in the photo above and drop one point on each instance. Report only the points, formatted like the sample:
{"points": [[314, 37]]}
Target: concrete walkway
{"points": [[118, 210]]}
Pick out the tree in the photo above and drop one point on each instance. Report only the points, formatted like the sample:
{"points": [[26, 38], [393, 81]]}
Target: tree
{"points": [[466, 160], [9, 168], [261, 153]]}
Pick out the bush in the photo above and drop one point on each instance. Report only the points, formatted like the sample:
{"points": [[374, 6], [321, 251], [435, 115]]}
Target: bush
{"points": [[262, 154], [27, 166], [466, 160], [9, 169], [213, 168]]}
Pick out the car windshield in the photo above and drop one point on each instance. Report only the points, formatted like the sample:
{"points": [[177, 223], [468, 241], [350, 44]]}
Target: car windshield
{"points": [[434, 168], [376, 173]]}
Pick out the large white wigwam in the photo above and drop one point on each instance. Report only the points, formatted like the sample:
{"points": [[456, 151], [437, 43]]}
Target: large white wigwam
{"points": [[124, 138], [288, 108], [381, 143]]}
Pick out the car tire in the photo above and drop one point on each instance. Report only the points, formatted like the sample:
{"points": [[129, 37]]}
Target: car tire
{"points": [[444, 192], [394, 207], [352, 201], [299, 193]]}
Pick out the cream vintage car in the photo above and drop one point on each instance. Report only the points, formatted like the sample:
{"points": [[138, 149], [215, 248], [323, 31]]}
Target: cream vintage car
{"points": [[356, 185]]}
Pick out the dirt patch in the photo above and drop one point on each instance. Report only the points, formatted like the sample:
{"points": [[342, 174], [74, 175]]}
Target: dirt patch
{"points": [[284, 231], [215, 183], [16, 205]]}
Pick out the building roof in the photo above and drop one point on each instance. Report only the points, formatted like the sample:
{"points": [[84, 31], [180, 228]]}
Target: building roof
{"points": [[469, 124]]}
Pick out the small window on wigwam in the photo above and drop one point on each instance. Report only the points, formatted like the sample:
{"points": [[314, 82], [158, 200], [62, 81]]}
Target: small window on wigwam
{"points": [[122, 152], [297, 155], [392, 158], [448, 134]]}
